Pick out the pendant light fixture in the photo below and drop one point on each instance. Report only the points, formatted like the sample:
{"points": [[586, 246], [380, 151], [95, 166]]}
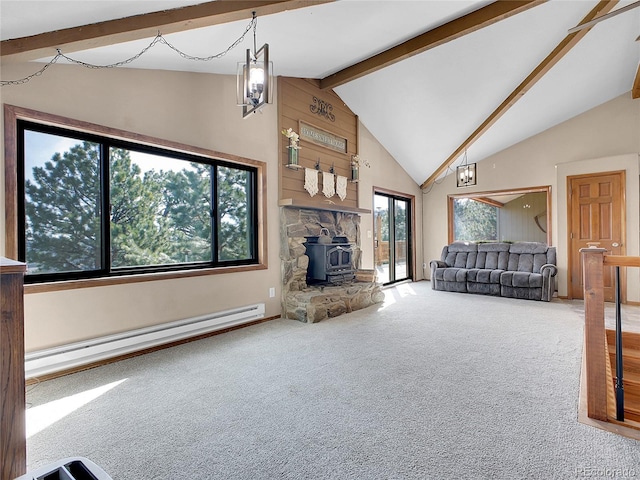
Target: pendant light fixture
{"points": [[466, 173], [254, 79]]}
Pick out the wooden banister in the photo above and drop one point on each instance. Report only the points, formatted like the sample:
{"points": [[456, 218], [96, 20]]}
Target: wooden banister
{"points": [[594, 332], [621, 261], [598, 381]]}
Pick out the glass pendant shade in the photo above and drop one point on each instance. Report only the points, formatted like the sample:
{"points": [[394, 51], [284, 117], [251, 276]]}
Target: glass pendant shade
{"points": [[254, 81]]}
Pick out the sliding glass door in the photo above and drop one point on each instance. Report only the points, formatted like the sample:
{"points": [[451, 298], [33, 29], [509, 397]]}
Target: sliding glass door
{"points": [[392, 219]]}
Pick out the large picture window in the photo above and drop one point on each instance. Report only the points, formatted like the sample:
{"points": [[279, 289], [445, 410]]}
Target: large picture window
{"points": [[93, 206]]}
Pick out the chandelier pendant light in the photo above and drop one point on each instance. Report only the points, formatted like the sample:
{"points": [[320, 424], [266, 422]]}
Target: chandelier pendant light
{"points": [[255, 77], [466, 173]]}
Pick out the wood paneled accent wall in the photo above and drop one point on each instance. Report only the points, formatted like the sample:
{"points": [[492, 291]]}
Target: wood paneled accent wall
{"points": [[299, 100]]}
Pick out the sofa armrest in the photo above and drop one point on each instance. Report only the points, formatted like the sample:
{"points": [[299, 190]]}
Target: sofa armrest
{"points": [[433, 264], [549, 270], [437, 264]]}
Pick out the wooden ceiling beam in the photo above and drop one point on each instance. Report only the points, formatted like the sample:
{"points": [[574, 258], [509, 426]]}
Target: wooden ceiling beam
{"points": [[142, 26], [604, 17], [489, 201], [553, 58], [457, 28]]}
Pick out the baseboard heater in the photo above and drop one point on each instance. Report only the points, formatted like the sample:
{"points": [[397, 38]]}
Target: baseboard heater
{"points": [[72, 355]]}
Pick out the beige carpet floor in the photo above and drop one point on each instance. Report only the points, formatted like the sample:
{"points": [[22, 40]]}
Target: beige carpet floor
{"points": [[428, 385]]}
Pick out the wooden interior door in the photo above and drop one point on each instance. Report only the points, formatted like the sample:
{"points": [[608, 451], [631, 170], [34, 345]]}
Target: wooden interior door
{"points": [[596, 215]]}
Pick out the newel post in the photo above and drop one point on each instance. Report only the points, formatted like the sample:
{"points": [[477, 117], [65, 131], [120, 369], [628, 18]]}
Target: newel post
{"points": [[594, 332], [13, 442]]}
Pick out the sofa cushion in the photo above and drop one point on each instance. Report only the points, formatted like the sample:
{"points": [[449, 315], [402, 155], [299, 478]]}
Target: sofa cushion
{"points": [[454, 274], [478, 275], [462, 247], [494, 247], [460, 254], [528, 247], [526, 262], [492, 256], [521, 279]]}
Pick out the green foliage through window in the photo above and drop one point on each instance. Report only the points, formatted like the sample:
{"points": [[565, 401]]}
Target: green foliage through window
{"points": [[93, 207], [474, 221], [63, 209]]}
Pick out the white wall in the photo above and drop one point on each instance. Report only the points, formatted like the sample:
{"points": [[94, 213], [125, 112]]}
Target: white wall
{"points": [[194, 109], [517, 219], [602, 139], [384, 172]]}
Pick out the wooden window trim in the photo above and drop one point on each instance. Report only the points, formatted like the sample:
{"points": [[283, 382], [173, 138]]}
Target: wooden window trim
{"points": [[13, 113]]}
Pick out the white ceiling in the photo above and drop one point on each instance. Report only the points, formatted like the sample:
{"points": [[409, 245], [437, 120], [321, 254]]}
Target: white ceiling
{"points": [[420, 109]]}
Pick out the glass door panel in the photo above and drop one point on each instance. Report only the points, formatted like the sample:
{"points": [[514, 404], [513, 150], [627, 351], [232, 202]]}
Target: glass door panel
{"points": [[381, 242], [392, 248], [401, 240]]}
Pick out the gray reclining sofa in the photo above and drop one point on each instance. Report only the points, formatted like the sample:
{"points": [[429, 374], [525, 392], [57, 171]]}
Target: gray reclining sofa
{"points": [[517, 270]]}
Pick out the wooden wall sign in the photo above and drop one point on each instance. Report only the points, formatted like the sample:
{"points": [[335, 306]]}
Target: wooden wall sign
{"points": [[322, 137], [328, 132]]}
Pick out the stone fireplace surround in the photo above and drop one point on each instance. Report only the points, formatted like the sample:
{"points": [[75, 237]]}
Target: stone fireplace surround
{"points": [[312, 303]]}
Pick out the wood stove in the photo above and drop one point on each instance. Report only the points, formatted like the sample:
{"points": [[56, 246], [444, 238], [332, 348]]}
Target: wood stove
{"points": [[329, 263]]}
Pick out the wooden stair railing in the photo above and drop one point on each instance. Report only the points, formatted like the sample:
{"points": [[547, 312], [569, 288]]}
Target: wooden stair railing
{"points": [[600, 345]]}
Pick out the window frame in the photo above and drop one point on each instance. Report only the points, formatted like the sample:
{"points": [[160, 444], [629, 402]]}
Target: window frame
{"points": [[14, 206], [484, 195]]}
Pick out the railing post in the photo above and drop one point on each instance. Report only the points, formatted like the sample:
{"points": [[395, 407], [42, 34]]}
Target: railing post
{"points": [[13, 440], [619, 366], [594, 332]]}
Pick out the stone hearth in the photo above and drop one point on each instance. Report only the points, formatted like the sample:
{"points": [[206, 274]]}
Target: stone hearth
{"points": [[317, 303], [312, 303]]}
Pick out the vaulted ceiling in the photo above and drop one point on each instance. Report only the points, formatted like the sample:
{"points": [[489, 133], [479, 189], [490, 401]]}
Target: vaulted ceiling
{"points": [[429, 79]]}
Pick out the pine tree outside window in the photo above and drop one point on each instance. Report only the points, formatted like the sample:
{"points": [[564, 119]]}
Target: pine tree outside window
{"points": [[474, 221], [94, 206]]}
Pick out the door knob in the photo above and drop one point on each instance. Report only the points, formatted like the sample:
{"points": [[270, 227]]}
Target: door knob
{"points": [[615, 244]]}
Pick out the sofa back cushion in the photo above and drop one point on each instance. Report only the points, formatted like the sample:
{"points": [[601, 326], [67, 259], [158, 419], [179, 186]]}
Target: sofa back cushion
{"points": [[529, 256], [492, 256], [460, 254], [517, 257]]}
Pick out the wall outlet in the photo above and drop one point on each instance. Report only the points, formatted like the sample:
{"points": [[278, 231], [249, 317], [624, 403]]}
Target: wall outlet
{"points": [[272, 292]]}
